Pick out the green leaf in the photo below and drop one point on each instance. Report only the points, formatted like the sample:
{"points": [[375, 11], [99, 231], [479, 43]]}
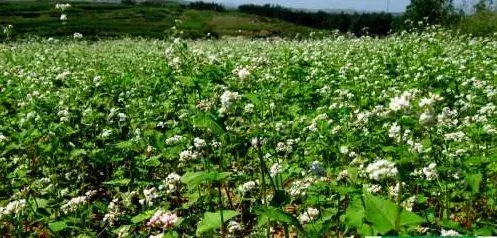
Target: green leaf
{"points": [[194, 178], [484, 231], [76, 153], [143, 216], [408, 218], [117, 182], [209, 121], [57, 226], [153, 162], [197, 178], [365, 230], [275, 214], [212, 220], [38, 202], [382, 213], [125, 145], [355, 214], [474, 180], [254, 99], [389, 149]]}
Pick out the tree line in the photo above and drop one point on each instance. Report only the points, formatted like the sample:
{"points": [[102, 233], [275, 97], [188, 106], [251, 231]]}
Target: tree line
{"points": [[357, 23], [429, 12], [371, 23]]}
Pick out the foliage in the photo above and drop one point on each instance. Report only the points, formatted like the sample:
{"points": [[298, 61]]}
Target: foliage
{"points": [[482, 23], [358, 24], [322, 137], [429, 12], [151, 20]]}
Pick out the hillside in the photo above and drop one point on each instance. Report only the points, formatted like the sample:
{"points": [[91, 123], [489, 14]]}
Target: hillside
{"points": [[110, 20]]}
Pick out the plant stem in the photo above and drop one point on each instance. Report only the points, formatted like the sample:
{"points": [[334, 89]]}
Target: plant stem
{"points": [[221, 210], [399, 207]]}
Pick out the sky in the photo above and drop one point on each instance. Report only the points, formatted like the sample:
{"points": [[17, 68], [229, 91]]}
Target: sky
{"points": [[358, 5]]}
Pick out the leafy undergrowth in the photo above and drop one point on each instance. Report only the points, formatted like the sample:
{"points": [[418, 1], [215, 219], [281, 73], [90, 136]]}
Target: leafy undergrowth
{"points": [[316, 138]]}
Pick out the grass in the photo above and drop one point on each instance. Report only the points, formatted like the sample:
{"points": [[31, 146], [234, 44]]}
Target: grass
{"points": [[97, 20]]}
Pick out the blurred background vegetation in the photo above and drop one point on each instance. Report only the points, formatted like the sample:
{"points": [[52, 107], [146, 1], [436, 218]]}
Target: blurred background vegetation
{"points": [[155, 18]]}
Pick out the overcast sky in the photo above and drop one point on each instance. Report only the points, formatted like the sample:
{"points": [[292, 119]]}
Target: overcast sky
{"points": [[358, 5]]}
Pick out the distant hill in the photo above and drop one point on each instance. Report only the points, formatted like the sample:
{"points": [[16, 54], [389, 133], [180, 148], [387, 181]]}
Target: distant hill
{"points": [[109, 18], [155, 18]]}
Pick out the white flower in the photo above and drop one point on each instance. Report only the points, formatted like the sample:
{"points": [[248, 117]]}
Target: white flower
{"points": [[280, 147], [425, 102], [344, 149], [106, 133], [161, 235], [3, 138], [308, 215], [227, 99], [402, 101], [313, 127], [249, 108], [409, 203], [62, 6], [150, 195], [257, 142], [430, 172], [313, 212], [421, 229], [174, 139], [299, 187], [64, 115], [449, 233], [113, 212], [170, 185], [304, 218], [242, 72], [199, 143], [456, 136], [343, 175], [373, 188], [13, 208], [275, 169], [96, 79], [394, 130], [233, 226], [247, 186], [122, 117], [394, 190], [173, 178], [77, 35], [425, 118], [381, 169], [73, 204], [63, 17], [215, 144], [187, 155]]}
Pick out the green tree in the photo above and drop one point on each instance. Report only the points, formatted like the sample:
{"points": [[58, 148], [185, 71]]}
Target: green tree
{"points": [[431, 11], [482, 6]]}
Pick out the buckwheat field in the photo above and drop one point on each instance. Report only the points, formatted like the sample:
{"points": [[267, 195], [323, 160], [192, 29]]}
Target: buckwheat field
{"points": [[331, 136]]}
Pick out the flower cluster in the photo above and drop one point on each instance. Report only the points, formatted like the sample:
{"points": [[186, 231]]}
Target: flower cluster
{"points": [[13, 208], [163, 219], [381, 169], [308, 215]]}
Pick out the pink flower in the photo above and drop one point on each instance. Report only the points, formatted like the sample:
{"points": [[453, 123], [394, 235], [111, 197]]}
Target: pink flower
{"points": [[163, 219]]}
